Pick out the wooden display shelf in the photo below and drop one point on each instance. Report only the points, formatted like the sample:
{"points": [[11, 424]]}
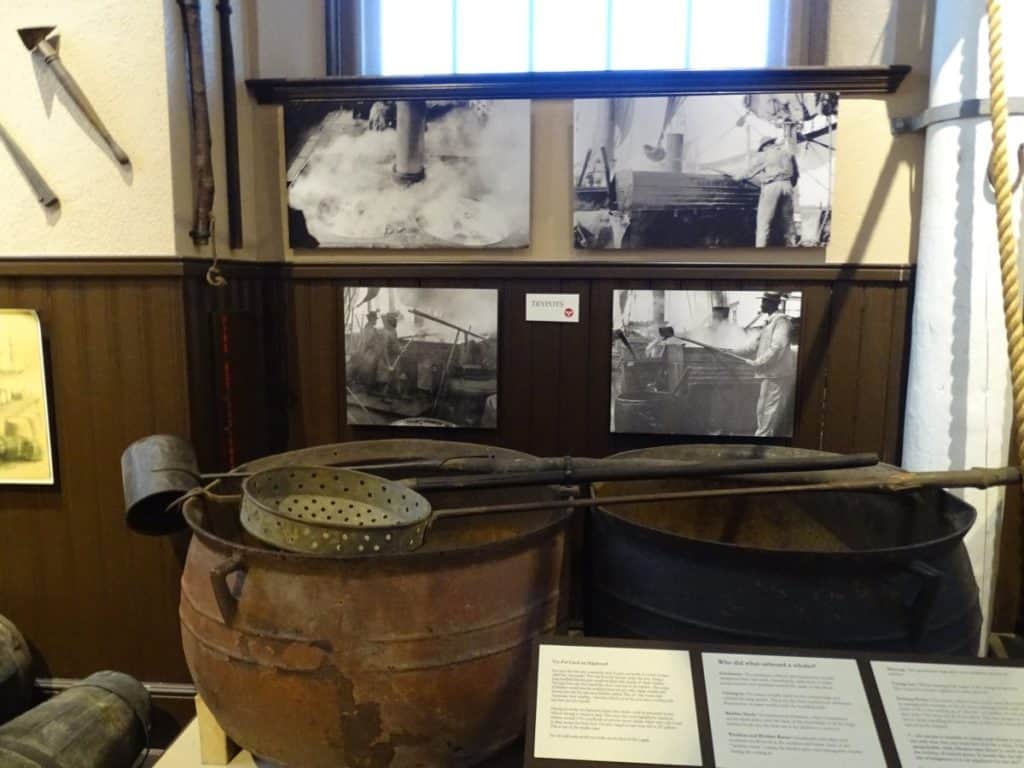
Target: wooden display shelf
{"points": [[203, 744], [185, 753]]}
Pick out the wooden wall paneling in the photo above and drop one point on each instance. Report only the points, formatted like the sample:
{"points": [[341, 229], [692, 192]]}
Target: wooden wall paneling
{"points": [[598, 322], [896, 384], [29, 568], [87, 593], [326, 343], [314, 373], [876, 323], [575, 386], [844, 368], [249, 308], [200, 300], [514, 399], [540, 375], [812, 366]]}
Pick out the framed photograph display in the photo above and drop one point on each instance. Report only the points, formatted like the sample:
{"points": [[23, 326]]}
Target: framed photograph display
{"points": [[409, 174], [26, 455], [733, 170], [704, 362], [421, 357]]}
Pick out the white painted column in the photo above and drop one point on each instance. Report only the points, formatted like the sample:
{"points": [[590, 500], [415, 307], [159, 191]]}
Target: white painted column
{"points": [[958, 397]]}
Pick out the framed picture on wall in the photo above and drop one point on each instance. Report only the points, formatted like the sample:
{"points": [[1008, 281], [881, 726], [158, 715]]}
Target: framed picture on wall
{"points": [[26, 455], [713, 363], [408, 174], [421, 357], [718, 171]]}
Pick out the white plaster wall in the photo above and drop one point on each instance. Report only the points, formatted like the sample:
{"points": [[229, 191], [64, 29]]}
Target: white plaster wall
{"points": [[878, 196], [115, 50], [958, 399], [290, 36]]}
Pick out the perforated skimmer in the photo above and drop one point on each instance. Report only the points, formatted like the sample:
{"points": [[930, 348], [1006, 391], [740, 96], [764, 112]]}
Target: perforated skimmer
{"points": [[333, 511]]}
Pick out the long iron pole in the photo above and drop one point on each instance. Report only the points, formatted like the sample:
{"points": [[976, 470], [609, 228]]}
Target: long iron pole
{"points": [[202, 157], [227, 73]]}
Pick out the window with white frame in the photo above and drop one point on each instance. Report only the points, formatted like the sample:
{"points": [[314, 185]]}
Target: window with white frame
{"points": [[411, 37]]}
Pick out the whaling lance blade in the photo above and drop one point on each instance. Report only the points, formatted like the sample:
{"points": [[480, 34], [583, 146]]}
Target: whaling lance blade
{"points": [[35, 40]]}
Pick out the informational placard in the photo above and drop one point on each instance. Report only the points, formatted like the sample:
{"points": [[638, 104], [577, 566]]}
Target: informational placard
{"points": [[616, 705], [944, 715], [789, 712], [598, 702], [552, 307]]}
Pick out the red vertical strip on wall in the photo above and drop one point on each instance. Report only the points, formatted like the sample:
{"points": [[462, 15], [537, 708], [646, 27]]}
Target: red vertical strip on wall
{"points": [[229, 416]]}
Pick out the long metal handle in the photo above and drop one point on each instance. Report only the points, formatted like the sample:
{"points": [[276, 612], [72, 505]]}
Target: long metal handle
{"points": [[227, 71], [570, 470], [77, 95], [44, 194], [895, 482], [713, 348]]}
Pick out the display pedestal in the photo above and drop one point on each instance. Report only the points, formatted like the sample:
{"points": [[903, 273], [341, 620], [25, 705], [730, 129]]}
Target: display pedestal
{"points": [[203, 744], [186, 752]]}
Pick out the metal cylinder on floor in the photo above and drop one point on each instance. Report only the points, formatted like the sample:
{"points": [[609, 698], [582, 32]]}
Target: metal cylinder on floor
{"points": [[101, 722], [15, 672]]}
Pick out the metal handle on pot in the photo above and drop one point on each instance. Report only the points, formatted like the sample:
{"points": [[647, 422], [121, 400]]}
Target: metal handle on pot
{"points": [[227, 602], [924, 603]]}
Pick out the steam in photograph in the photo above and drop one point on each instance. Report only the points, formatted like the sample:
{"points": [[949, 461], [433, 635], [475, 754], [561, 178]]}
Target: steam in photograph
{"points": [[421, 357], [704, 362], [409, 174], [717, 171]]}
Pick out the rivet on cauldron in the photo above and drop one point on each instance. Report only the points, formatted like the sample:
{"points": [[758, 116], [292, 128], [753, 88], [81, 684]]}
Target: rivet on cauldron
{"points": [[376, 548], [361, 548], [366, 538], [387, 537]]}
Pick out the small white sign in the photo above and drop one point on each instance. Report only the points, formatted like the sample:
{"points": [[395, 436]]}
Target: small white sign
{"points": [[616, 705], [789, 712], [944, 714], [552, 307]]}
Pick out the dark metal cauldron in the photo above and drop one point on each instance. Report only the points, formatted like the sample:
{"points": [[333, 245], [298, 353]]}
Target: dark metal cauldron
{"points": [[854, 571], [414, 659]]}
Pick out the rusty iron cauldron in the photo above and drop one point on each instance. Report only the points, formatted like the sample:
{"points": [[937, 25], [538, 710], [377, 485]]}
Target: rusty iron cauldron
{"points": [[411, 659], [842, 570]]}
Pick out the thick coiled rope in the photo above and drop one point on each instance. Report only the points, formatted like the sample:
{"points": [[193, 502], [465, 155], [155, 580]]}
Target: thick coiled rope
{"points": [[1000, 173]]}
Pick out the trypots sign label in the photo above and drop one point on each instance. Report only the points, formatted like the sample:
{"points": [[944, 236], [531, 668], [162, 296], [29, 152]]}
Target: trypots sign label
{"points": [[552, 307]]}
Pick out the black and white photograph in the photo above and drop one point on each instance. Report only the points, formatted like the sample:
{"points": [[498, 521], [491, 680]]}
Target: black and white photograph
{"points": [[26, 453], [408, 174], [718, 171], [704, 362], [421, 357]]}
